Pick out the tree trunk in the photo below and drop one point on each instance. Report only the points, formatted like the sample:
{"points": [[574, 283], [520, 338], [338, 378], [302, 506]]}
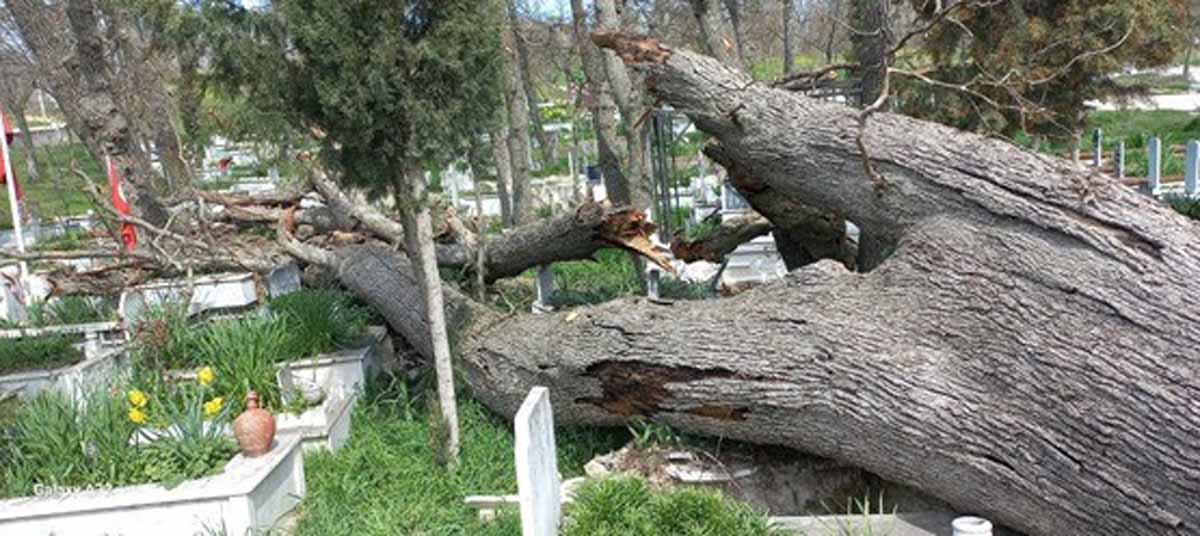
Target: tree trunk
{"points": [[708, 19], [831, 37], [545, 142], [418, 234], [503, 174], [83, 88], [629, 103], [518, 125], [603, 110], [789, 61], [31, 163], [873, 39], [734, 7], [1024, 347]]}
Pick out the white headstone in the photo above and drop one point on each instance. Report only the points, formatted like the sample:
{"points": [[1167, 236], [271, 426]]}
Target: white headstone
{"points": [[545, 289], [971, 526], [283, 280], [538, 486], [10, 307]]}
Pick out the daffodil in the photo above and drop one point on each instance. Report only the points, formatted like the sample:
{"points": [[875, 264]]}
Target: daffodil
{"points": [[137, 416], [138, 399], [213, 407], [206, 376]]}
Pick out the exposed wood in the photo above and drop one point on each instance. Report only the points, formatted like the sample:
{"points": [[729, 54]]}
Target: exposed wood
{"points": [[723, 240], [1024, 344]]}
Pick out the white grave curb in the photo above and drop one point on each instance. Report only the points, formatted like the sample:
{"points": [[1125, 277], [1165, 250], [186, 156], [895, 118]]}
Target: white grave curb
{"points": [[250, 494], [71, 380]]}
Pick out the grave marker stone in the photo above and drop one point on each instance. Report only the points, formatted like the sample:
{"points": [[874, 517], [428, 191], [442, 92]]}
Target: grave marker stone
{"points": [[545, 290], [1121, 160], [1191, 170], [1097, 148], [538, 486], [1154, 177], [283, 280]]}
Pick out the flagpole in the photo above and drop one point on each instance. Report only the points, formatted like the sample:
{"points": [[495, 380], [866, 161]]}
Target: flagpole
{"points": [[13, 206]]}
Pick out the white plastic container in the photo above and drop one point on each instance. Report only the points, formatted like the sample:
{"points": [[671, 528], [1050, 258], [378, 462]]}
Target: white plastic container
{"points": [[971, 526]]}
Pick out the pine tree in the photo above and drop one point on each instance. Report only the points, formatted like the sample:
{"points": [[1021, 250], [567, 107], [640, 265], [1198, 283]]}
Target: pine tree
{"points": [[1030, 65]]}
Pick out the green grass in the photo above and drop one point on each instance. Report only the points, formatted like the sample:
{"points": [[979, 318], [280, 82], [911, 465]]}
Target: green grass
{"points": [[18, 355], [1156, 83], [627, 507], [70, 310], [1135, 128], [610, 276], [385, 481], [58, 192]]}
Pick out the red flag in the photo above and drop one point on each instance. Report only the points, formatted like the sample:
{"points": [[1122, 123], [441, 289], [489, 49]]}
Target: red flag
{"points": [[128, 232], [8, 136]]}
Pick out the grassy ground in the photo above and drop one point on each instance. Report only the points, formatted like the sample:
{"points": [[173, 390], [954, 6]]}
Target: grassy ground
{"points": [[1158, 84], [610, 276], [58, 192], [1135, 128], [385, 479]]}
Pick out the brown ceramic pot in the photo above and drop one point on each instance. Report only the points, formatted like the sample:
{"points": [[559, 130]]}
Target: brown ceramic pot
{"points": [[254, 428]]}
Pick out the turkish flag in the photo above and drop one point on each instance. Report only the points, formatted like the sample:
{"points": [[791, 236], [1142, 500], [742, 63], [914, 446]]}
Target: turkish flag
{"points": [[128, 231], [8, 139]]}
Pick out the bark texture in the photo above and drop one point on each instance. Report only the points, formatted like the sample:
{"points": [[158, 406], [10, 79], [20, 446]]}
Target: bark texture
{"points": [[629, 103], [518, 124], [1024, 346], [708, 19], [603, 109], [74, 64], [873, 38]]}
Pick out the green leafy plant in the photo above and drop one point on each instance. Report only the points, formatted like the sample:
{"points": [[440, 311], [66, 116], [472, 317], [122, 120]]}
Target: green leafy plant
{"points": [[194, 445], [71, 310], [51, 351], [319, 321], [857, 519], [243, 353], [164, 338], [649, 434]]}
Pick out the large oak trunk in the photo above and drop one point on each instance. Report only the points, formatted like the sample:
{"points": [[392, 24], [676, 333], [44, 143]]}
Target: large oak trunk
{"points": [[1022, 346]]}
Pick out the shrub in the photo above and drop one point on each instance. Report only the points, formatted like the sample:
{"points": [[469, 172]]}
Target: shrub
{"points": [[243, 353], [627, 507], [37, 353]]}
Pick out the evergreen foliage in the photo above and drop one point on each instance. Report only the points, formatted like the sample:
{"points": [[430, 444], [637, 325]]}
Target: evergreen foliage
{"points": [[1053, 54]]}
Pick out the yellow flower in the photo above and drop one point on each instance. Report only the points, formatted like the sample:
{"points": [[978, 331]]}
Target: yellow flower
{"points": [[206, 376], [136, 416], [213, 407], [138, 399]]}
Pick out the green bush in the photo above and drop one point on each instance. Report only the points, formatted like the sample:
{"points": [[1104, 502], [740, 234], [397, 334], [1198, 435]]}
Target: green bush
{"points": [[38, 353], [627, 507]]}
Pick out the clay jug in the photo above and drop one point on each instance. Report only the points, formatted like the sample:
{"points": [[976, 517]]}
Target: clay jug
{"points": [[254, 428]]}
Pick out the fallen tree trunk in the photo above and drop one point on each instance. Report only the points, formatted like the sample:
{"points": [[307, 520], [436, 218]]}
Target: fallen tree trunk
{"points": [[1024, 345]]}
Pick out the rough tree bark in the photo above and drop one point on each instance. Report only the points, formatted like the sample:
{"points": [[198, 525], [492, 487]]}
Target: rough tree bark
{"points": [[708, 19], [603, 109], [734, 7], [1024, 346], [629, 103], [789, 61], [518, 123], [500, 155], [873, 38], [74, 66], [546, 143]]}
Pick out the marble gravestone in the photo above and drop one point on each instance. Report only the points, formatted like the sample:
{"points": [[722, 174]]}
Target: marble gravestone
{"points": [[537, 465]]}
